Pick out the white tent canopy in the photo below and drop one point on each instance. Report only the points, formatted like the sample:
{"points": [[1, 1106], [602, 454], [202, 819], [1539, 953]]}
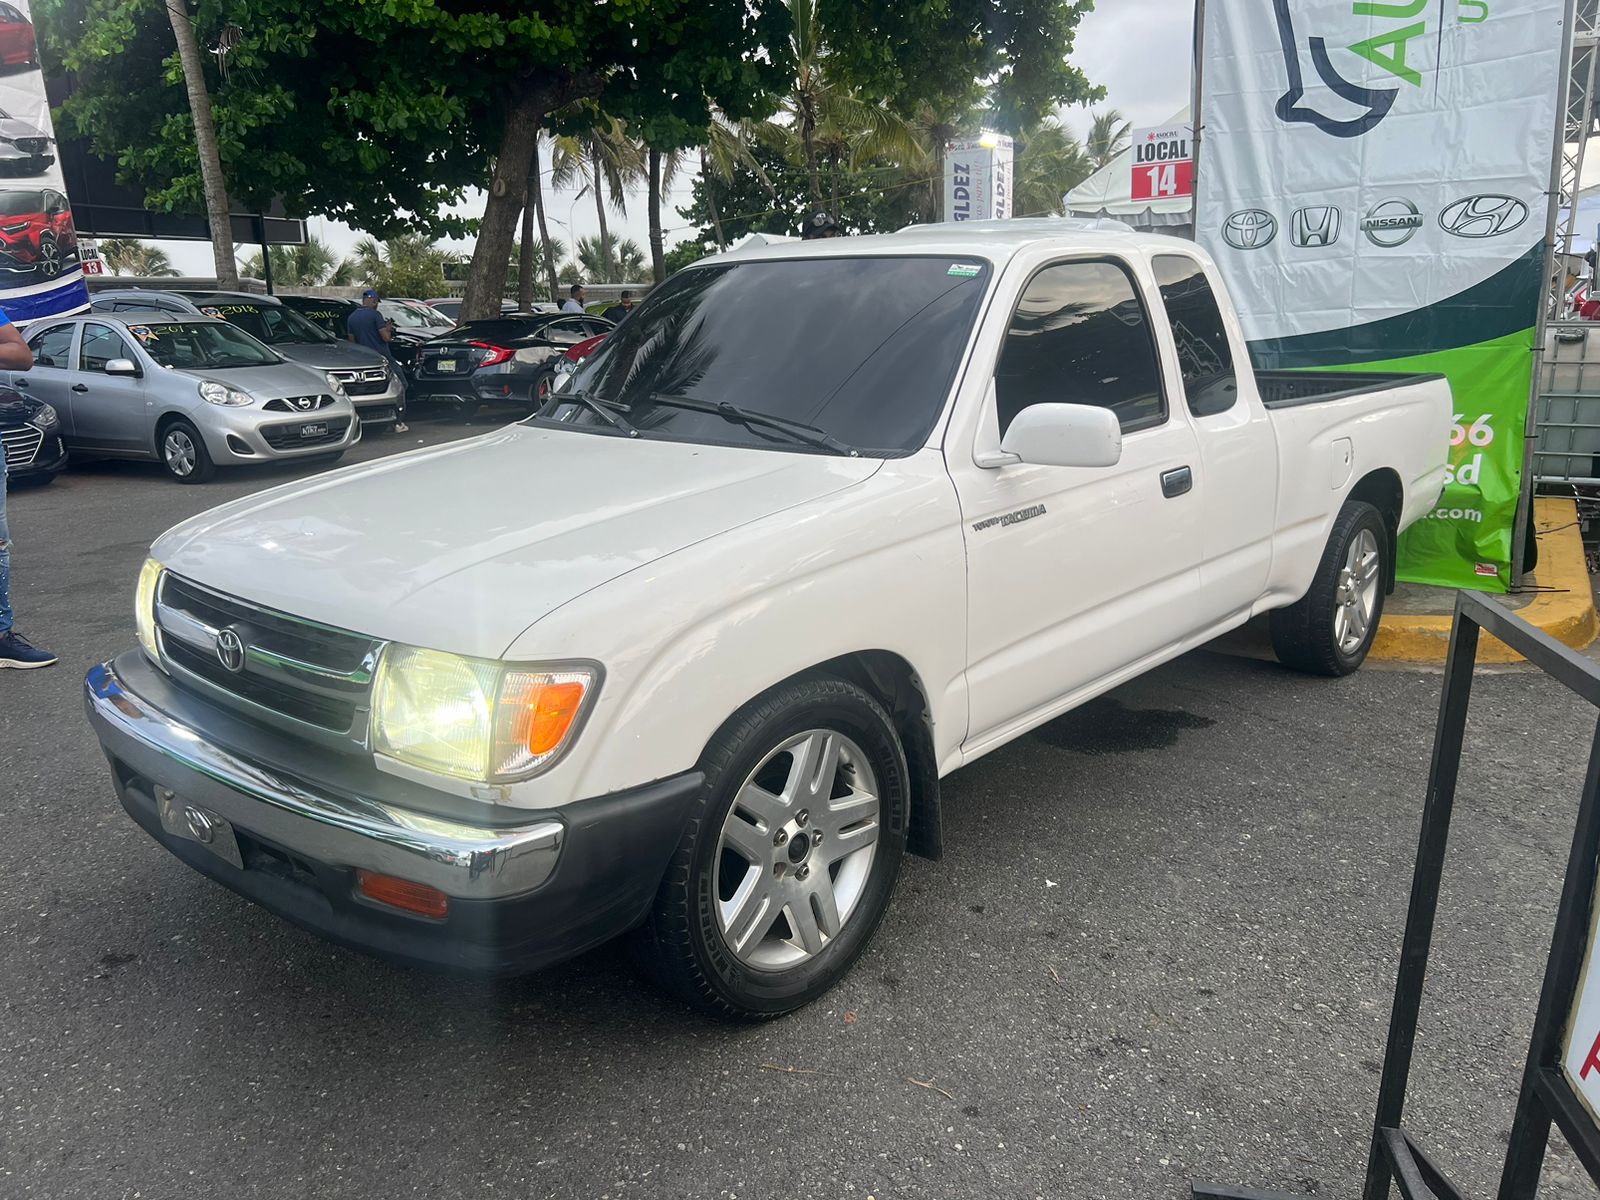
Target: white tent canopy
{"points": [[1109, 193]]}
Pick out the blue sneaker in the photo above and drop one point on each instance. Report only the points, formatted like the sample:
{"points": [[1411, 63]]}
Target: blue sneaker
{"points": [[15, 652]]}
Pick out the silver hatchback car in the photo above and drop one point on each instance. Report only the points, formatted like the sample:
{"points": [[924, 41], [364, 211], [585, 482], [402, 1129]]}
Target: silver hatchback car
{"points": [[192, 392]]}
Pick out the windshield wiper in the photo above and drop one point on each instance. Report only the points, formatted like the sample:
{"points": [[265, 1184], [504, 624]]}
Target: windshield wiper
{"points": [[748, 417], [614, 419]]}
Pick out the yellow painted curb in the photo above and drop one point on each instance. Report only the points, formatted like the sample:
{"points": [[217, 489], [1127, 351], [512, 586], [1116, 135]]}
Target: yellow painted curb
{"points": [[1566, 614]]}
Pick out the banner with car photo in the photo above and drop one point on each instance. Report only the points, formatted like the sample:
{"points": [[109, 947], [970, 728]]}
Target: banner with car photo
{"points": [[1373, 183], [40, 273]]}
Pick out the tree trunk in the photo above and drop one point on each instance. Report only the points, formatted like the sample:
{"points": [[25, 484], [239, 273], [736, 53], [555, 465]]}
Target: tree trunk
{"points": [[486, 279], [833, 185], [537, 184], [525, 244], [707, 182], [808, 137], [658, 266], [205, 140], [600, 215]]}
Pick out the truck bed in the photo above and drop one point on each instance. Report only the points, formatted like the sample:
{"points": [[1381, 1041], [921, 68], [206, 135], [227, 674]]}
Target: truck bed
{"points": [[1289, 389]]}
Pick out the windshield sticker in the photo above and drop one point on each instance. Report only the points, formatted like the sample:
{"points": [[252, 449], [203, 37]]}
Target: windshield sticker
{"points": [[212, 312], [962, 270], [232, 310], [143, 332]]}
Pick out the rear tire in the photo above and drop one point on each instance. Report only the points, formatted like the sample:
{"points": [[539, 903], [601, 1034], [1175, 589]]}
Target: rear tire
{"points": [[184, 454], [789, 857], [544, 386], [1330, 629]]}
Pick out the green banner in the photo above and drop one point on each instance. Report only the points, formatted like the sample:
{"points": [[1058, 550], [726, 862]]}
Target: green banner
{"points": [[1466, 540]]}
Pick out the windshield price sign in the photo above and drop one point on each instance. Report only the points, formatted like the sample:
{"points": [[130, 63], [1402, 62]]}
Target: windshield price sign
{"points": [[1163, 163]]}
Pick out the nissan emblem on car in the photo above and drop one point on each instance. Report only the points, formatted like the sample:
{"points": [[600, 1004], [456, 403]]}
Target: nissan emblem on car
{"points": [[230, 649]]}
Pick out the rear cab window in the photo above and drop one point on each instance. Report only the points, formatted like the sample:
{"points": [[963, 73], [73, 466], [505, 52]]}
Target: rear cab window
{"points": [[1205, 359], [1080, 335]]}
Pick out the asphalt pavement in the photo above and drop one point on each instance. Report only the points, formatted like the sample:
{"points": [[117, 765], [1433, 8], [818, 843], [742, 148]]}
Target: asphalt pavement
{"points": [[1161, 945]]}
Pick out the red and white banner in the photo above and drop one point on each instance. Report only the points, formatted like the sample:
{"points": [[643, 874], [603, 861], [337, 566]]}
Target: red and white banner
{"points": [[1163, 163]]}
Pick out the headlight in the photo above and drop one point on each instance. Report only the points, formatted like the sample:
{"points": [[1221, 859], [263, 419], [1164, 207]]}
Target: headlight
{"points": [[565, 366], [45, 419], [472, 719], [221, 393], [334, 385], [144, 607]]}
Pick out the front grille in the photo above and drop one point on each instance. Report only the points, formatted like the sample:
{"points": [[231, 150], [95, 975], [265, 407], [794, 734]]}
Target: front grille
{"points": [[298, 404], [288, 437], [33, 145], [22, 445], [369, 381], [292, 673]]}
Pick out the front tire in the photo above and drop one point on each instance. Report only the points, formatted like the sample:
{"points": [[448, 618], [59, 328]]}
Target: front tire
{"points": [[1330, 629], [789, 857], [50, 261], [184, 454]]}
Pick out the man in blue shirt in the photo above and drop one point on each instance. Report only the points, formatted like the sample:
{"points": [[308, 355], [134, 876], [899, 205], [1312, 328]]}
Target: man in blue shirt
{"points": [[368, 328], [14, 648]]}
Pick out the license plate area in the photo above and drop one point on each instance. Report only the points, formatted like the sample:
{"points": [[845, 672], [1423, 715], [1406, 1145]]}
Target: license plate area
{"points": [[445, 365], [314, 429], [199, 825]]}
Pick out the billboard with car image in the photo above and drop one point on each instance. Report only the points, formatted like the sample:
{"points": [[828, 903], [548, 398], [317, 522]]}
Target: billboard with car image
{"points": [[40, 271]]}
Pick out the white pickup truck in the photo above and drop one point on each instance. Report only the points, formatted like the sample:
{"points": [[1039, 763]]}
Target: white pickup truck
{"points": [[689, 652]]}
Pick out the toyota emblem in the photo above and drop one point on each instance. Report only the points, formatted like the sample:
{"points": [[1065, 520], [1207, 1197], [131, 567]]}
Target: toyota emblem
{"points": [[1249, 229], [1483, 216], [230, 650]]}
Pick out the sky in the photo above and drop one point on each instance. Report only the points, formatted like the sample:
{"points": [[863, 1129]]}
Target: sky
{"points": [[1139, 50]]}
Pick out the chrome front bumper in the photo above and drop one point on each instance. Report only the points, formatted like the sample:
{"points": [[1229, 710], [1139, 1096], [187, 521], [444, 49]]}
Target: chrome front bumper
{"points": [[341, 829]]}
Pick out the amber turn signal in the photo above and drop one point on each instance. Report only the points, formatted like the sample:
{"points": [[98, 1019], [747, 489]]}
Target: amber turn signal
{"points": [[416, 898]]}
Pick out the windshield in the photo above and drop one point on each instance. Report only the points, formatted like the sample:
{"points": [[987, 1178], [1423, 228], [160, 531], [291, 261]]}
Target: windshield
{"points": [[13, 204], [413, 316], [270, 323], [190, 345], [863, 349], [328, 318]]}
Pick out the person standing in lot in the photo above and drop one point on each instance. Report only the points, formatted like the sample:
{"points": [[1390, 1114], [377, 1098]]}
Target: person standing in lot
{"points": [[574, 299], [621, 308], [367, 328], [14, 648]]}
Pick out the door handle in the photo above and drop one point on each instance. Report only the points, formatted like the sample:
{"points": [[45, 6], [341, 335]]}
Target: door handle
{"points": [[19, 383], [1176, 482], [80, 387]]}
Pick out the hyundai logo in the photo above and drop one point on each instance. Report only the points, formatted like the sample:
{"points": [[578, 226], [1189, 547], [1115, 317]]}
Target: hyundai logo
{"points": [[230, 649], [1483, 216], [1391, 222], [1249, 229], [1315, 226]]}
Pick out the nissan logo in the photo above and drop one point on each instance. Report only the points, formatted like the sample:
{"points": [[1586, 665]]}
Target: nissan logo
{"points": [[230, 649], [1483, 216], [1249, 229], [1391, 222], [1315, 226]]}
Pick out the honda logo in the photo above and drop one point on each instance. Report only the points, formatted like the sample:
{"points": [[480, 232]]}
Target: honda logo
{"points": [[1316, 226], [1483, 216], [1249, 229], [1391, 222]]}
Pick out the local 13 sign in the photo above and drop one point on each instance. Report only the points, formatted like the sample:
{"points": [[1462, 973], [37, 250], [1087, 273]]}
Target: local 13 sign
{"points": [[1163, 163]]}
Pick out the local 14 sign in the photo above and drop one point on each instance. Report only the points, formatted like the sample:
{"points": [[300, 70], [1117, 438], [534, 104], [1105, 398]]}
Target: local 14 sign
{"points": [[1163, 163]]}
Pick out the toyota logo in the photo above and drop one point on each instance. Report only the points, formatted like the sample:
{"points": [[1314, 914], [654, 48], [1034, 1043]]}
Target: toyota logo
{"points": [[1249, 229], [230, 650], [1391, 222], [1483, 216]]}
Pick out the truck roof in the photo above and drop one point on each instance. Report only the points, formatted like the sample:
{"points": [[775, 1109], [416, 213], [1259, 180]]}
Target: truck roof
{"points": [[996, 241]]}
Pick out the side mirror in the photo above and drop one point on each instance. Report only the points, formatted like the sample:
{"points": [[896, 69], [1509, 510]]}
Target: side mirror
{"points": [[1064, 435], [122, 366]]}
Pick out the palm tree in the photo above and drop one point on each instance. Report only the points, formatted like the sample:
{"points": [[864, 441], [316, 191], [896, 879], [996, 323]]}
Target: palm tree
{"points": [[213, 183], [407, 265], [128, 256], [609, 162], [728, 150], [1108, 137], [1050, 162], [627, 257], [661, 169], [533, 211], [312, 264]]}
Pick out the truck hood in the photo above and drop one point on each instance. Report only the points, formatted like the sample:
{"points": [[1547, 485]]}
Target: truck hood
{"points": [[462, 547]]}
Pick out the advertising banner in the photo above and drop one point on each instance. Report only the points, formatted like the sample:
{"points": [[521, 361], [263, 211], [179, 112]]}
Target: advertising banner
{"points": [[977, 179], [1373, 183], [40, 274], [1163, 163]]}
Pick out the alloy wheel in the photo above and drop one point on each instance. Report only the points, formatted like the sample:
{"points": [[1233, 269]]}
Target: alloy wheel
{"points": [[1356, 594], [796, 850]]}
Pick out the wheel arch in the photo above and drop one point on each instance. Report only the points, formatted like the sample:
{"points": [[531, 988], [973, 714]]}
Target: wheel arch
{"points": [[1382, 489]]}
